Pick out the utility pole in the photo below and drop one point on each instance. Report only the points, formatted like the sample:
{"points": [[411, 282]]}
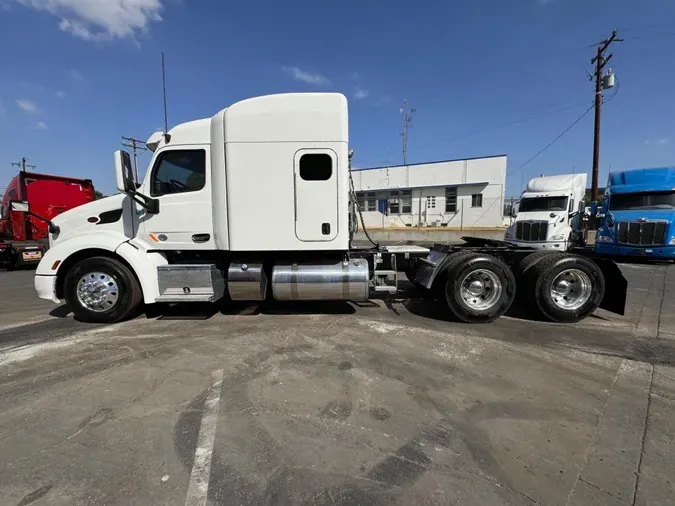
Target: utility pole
{"points": [[22, 164], [407, 114], [600, 62], [134, 145]]}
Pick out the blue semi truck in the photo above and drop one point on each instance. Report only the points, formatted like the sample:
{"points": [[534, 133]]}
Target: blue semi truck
{"points": [[637, 215]]}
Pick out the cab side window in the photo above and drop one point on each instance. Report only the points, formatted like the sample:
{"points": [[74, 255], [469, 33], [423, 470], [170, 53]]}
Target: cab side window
{"points": [[179, 171]]}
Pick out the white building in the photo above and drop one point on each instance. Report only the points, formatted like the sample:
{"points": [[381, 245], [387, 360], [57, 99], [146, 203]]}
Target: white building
{"points": [[454, 193]]}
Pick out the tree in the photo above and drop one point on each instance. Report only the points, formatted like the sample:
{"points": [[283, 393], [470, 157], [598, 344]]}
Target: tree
{"points": [[98, 195]]}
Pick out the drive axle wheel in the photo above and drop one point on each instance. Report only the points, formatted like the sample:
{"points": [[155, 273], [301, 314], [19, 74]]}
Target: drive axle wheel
{"points": [[563, 288], [479, 288], [102, 290]]}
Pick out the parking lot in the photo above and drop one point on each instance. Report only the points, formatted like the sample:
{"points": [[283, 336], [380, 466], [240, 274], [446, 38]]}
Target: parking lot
{"points": [[373, 403]]}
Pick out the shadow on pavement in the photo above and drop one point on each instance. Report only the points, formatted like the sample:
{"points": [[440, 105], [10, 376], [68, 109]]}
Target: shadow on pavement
{"points": [[60, 312]]}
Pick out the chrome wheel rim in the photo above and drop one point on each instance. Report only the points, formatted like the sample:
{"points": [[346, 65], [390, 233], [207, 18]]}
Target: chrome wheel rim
{"points": [[97, 292], [481, 289], [571, 289]]}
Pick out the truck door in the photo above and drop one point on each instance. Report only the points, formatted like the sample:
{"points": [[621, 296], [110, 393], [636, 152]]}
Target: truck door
{"points": [[316, 195], [179, 179]]}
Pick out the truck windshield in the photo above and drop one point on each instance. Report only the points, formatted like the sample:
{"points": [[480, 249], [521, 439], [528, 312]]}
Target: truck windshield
{"points": [[651, 200], [534, 204]]}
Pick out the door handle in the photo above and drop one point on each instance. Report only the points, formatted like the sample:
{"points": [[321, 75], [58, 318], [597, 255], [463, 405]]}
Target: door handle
{"points": [[201, 237]]}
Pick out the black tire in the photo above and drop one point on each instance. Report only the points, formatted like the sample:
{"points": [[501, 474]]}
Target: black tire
{"points": [[538, 281], [530, 260], [129, 297], [438, 285], [457, 271], [524, 282]]}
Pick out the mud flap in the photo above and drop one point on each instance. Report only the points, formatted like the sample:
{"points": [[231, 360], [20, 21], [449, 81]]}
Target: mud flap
{"points": [[616, 287]]}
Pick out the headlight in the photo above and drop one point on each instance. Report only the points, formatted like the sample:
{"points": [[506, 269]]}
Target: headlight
{"points": [[509, 235], [672, 242], [559, 237], [605, 238]]}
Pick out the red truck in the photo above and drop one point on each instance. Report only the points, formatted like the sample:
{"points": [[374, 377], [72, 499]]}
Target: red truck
{"points": [[24, 238]]}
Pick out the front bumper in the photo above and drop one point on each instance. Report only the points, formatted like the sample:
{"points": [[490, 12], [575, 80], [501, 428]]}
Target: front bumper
{"points": [[552, 246], [633, 251], [45, 286]]}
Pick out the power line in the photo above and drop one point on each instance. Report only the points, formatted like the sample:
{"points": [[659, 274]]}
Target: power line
{"points": [[497, 127], [553, 141], [488, 129], [652, 36]]}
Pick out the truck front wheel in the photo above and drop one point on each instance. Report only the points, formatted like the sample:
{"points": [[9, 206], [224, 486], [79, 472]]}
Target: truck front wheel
{"points": [[479, 288], [102, 290], [564, 288]]}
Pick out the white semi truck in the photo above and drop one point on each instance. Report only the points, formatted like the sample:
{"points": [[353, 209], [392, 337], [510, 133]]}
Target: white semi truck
{"points": [[256, 204], [550, 214]]}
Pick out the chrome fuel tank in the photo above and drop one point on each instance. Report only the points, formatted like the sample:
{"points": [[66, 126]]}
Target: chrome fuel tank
{"points": [[330, 281]]}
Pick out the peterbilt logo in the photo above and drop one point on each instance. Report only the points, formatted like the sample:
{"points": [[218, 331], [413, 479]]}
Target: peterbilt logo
{"points": [[642, 220]]}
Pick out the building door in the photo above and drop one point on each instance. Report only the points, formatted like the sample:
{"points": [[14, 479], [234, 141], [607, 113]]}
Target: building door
{"points": [[316, 195]]}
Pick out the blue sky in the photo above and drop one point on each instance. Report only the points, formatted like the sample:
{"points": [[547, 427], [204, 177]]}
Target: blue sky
{"points": [[78, 74]]}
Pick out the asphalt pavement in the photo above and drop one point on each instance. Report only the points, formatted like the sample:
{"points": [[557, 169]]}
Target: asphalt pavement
{"points": [[375, 403]]}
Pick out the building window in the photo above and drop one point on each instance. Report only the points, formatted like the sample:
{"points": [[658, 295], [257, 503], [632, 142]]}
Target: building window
{"points": [[316, 167], [361, 200], [367, 201], [451, 199], [431, 202], [394, 203], [477, 200], [371, 202], [406, 202], [400, 202], [179, 171]]}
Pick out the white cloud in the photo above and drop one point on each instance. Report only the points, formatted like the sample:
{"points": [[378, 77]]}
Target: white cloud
{"points": [[61, 94], [101, 19], [306, 77], [663, 141], [75, 75], [360, 94], [6, 7], [42, 125], [26, 105]]}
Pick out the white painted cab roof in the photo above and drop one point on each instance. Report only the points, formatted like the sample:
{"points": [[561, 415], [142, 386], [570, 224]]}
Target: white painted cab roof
{"points": [[556, 183]]}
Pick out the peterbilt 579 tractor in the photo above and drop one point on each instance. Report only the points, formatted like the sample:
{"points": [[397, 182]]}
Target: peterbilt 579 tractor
{"points": [[256, 204]]}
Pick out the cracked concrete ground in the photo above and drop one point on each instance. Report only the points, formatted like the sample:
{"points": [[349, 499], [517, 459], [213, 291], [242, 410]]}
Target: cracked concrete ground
{"points": [[376, 403]]}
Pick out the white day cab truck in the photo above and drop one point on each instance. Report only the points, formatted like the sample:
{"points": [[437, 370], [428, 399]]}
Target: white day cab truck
{"points": [[550, 214], [255, 204]]}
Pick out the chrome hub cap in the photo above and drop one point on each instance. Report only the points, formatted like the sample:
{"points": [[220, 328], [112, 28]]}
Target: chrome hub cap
{"points": [[97, 292], [481, 289], [571, 289]]}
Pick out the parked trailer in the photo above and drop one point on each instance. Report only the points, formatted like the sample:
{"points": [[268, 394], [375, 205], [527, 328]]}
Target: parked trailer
{"points": [[192, 233]]}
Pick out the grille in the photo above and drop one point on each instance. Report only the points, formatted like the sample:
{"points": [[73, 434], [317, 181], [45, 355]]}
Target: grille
{"points": [[651, 233], [532, 231]]}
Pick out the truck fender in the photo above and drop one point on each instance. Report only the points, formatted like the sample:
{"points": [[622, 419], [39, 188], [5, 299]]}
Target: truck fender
{"points": [[616, 286], [61, 251], [142, 263]]}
